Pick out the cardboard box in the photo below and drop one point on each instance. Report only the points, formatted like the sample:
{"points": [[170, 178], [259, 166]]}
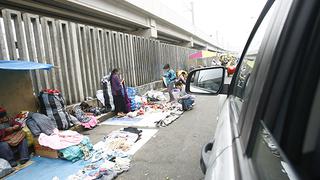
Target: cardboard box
{"points": [[45, 151]]}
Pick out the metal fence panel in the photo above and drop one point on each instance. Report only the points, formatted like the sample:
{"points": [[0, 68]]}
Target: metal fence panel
{"points": [[83, 54]]}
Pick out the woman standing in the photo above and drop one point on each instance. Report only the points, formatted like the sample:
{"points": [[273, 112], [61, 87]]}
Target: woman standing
{"points": [[118, 97]]}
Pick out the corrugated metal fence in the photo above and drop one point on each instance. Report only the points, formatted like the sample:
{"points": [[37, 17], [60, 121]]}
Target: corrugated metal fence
{"points": [[82, 54]]}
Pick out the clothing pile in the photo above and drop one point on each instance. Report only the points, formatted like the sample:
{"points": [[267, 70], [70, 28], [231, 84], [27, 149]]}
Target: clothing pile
{"points": [[96, 111], [52, 104], [153, 95], [40, 123], [110, 157], [60, 139], [103, 170], [22, 118], [132, 92], [71, 145], [77, 152], [86, 120], [5, 168], [173, 111], [187, 101], [105, 95]]}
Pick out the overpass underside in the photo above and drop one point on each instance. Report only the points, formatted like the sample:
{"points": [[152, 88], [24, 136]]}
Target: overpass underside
{"points": [[118, 15]]}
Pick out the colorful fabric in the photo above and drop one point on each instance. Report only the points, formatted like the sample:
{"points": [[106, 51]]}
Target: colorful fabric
{"points": [[52, 104], [78, 152], [116, 86], [126, 100], [15, 138], [170, 76], [3, 126], [29, 135], [92, 123], [80, 115], [60, 139]]}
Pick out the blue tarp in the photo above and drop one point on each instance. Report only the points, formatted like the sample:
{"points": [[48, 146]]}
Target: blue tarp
{"points": [[46, 168], [23, 65]]}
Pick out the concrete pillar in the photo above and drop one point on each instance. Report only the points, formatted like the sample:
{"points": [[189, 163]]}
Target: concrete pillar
{"points": [[150, 32], [188, 44]]}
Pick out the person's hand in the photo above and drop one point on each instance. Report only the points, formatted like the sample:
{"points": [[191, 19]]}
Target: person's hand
{"points": [[9, 129], [16, 127], [122, 81]]}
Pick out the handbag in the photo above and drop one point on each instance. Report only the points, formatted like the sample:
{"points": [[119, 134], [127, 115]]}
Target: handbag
{"points": [[15, 138]]}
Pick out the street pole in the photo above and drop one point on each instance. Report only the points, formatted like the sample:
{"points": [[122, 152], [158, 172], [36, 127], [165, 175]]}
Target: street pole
{"points": [[192, 12]]}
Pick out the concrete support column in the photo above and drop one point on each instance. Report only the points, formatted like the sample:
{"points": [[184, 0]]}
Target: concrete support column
{"points": [[188, 44], [150, 32]]}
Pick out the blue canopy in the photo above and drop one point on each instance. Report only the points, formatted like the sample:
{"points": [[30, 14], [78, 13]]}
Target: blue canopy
{"points": [[23, 65]]}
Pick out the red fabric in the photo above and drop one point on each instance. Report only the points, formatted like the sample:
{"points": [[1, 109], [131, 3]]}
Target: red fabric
{"points": [[51, 91], [2, 109], [3, 112], [12, 123], [231, 69]]}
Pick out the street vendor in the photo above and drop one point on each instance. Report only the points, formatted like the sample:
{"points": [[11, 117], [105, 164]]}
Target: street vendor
{"points": [[182, 77], [170, 78], [12, 140], [118, 95]]}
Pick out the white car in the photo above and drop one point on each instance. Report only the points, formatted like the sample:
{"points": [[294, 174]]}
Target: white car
{"points": [[269, 124]]}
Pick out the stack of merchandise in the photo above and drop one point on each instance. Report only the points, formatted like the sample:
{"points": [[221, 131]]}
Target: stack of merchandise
{"points": [[132, 93], [153, 96], [110, 157], [71, 145], [86, 120], [52, 104]]}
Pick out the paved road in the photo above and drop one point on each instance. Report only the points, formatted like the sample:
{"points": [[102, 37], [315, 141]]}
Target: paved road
{"points": [[175, 151]]}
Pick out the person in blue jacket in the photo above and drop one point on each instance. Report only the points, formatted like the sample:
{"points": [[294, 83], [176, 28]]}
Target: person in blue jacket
{"points": [[170, 78]]}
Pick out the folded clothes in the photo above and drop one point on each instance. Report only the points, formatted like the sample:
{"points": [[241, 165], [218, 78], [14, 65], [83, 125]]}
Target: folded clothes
{"points": [[90, 124], [77, 152], [60, 139]]}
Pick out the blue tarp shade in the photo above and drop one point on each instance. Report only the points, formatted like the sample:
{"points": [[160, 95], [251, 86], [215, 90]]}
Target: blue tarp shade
{"points": [[23, 65]]}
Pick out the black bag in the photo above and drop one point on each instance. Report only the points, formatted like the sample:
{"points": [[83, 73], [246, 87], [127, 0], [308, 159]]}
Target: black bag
{"points": [[52, 105]]}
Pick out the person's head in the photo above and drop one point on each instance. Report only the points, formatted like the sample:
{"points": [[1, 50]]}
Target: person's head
{"points": [[115, 71], [3, 115], [166, 67]]}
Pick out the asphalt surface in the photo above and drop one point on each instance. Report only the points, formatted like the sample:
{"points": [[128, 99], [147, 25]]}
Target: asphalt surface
{"points": [[174, 152]]}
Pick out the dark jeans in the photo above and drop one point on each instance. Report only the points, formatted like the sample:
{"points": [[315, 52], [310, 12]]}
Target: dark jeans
{"points": [[119, 103], [7, 152]]}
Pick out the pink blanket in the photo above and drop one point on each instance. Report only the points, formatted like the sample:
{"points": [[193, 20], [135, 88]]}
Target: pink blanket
{"points": [[60, 139], [92, 123]]}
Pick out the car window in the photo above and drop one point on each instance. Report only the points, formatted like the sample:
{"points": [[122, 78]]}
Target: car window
{"points": [[242, 82], [268, 159]]}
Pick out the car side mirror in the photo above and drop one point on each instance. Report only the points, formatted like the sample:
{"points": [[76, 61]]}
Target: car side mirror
{"points": [[206, 81]]}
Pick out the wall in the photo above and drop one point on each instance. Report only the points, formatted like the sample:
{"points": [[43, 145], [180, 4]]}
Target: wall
{"points": [[82, 54], [16, 92]]}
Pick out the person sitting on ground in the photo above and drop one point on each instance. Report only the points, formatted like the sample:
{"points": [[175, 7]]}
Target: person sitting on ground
{"points": [[118, 96], [12, 140], [170, 78]]}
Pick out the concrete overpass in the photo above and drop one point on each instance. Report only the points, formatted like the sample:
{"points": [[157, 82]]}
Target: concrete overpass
{"points": [[148, 18]]}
